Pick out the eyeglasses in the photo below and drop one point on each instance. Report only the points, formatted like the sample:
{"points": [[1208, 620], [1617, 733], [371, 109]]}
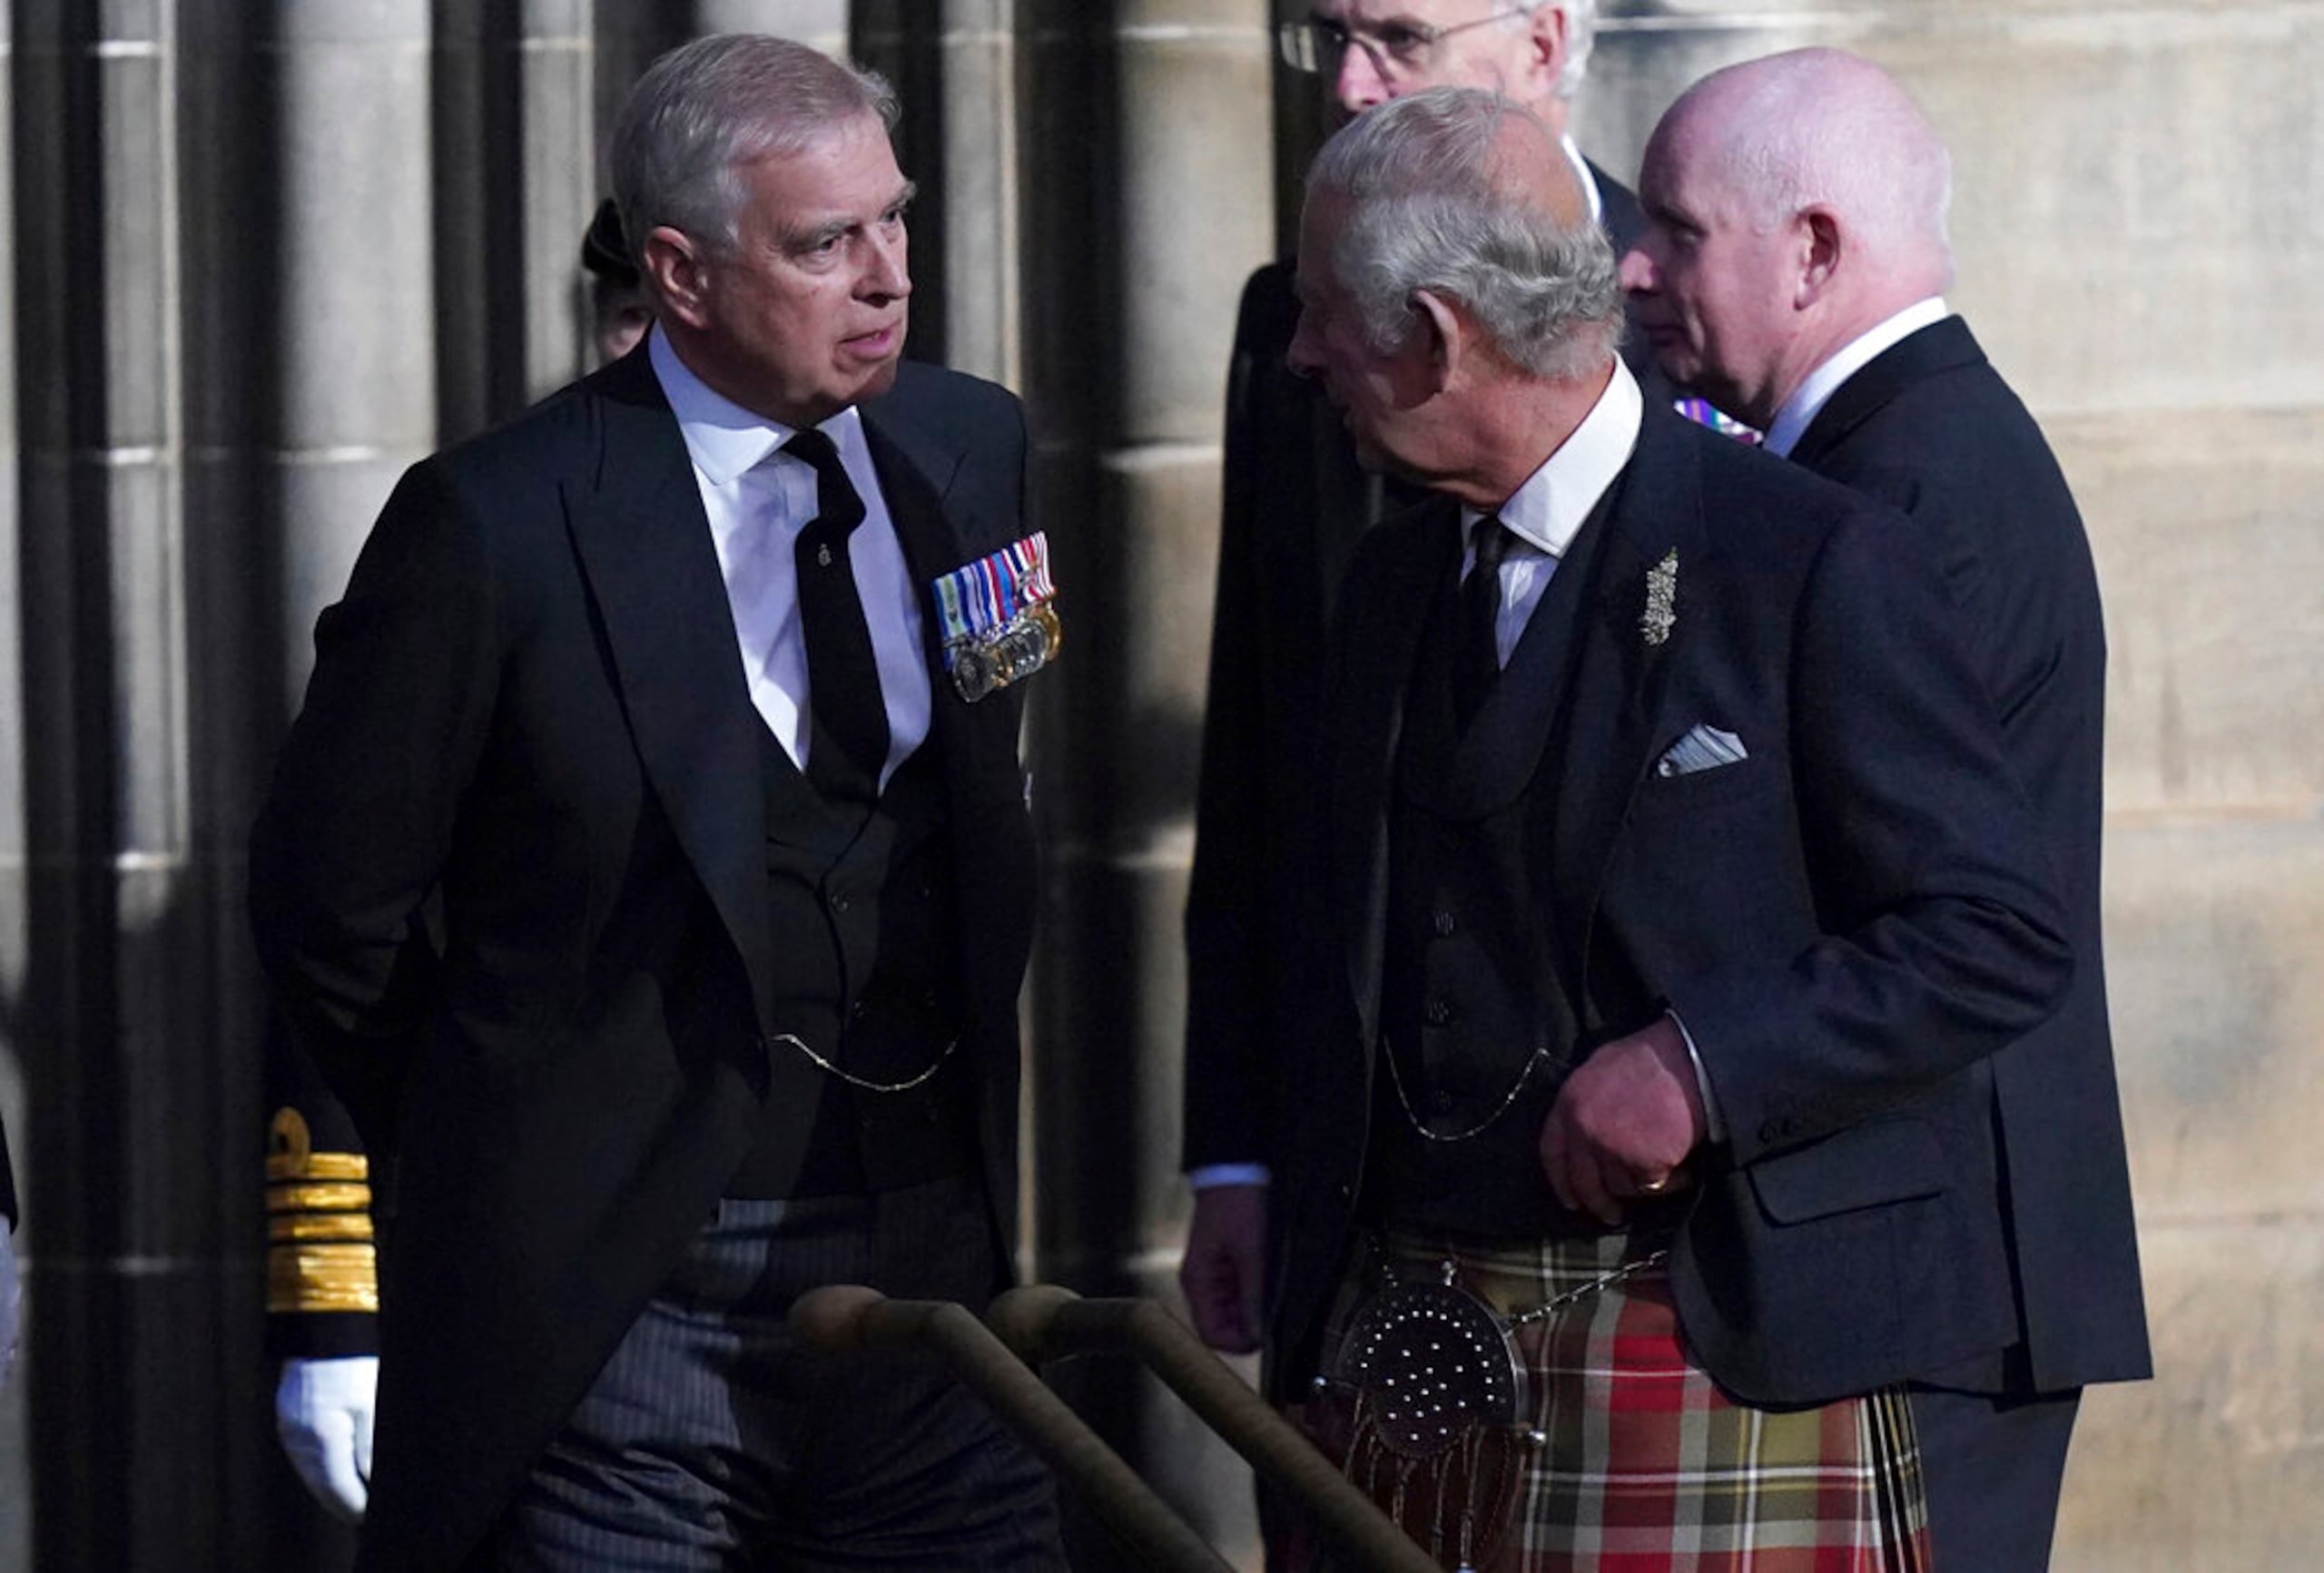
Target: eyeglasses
{"points": [[1317, 45]]}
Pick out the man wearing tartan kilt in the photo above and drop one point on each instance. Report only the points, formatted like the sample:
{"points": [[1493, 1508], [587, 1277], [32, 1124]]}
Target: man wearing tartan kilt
{"points": [[1675, 897]]}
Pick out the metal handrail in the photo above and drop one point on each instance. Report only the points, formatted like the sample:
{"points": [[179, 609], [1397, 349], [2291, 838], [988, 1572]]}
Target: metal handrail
{"points": [[1042, 1322], [848, 1317]]}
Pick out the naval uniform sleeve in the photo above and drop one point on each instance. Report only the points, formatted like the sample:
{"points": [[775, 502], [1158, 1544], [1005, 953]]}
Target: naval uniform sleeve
{"points": [[322, 1279], [358, 825]]}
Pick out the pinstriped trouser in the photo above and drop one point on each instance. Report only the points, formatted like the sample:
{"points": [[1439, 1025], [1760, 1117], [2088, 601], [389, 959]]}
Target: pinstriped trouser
{"points": [[713, 1439]]}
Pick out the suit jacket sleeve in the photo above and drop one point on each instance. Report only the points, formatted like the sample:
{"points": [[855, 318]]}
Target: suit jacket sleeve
{"points": [[1227, 956], [2031, 599], [1941, 929], [358, 824]]}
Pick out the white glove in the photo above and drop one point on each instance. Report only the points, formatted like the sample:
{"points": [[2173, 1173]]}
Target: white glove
{"points": [[322, 1412], [11, 1296]]}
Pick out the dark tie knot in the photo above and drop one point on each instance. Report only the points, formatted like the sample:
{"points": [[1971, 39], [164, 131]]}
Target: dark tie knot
{"points": [[1490, 539], [1476, 650], [837, 506]]}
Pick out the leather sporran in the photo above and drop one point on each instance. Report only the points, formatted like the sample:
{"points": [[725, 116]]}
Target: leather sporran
{"points": [[1439, 1399]]}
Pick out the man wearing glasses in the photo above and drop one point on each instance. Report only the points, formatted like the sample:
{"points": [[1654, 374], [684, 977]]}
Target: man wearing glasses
{"points": [[1295, 502]]}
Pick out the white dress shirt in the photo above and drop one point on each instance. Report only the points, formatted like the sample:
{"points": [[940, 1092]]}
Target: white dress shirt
{"points": [[1815, 391], [1589, 181], [1545, 511], [1544, 515], [758, 499]]}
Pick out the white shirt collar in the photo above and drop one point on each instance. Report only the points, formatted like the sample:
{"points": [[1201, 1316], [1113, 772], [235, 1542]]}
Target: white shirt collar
{"points": [[1549, 509], [1815, 391], [1589, 181], [723, 439]]}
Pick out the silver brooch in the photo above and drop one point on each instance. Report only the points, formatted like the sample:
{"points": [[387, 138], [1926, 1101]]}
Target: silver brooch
{"points": [[1661, 613]]}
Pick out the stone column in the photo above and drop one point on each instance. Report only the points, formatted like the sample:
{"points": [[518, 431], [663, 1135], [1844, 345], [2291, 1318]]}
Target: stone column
{"points": [[1146, 205], [982, 274], [337, 365], [561, 145], [954, 68], [516, 177], [823, 23], [221, 271], [143, 1282], [15, 1465]]}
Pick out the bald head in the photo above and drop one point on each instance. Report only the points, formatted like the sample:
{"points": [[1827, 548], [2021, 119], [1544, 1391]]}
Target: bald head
{"points": [[1821, 127], [1792, 204]]}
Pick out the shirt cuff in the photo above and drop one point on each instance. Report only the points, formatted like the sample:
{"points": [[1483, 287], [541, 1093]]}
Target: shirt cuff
{"points": [[1714, 1128], [1213, 1174]]}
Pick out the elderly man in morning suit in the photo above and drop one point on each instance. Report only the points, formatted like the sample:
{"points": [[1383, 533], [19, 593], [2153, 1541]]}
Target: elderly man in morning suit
{"points": [[727, 892], [1673, 897], [1295, 502], [1794, 268]]}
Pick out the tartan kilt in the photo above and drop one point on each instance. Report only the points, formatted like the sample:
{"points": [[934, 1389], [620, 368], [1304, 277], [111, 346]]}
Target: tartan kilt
{"points": [[1643, 1465]]}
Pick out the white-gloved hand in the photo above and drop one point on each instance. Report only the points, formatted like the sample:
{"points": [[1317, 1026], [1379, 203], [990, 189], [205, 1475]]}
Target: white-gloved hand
{"points": [[12, 1295], [322, 1412]]}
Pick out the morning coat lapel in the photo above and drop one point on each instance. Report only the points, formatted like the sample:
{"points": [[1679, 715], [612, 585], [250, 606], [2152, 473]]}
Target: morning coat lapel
{"points": [[943, 522], [1378, 642], [1942, 346], [1621, 679], [915, 476], [645, 545]]}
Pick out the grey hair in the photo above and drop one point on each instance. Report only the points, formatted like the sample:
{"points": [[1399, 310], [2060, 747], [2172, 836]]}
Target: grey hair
{"points": [[1426, 213], [1581, 36], [706, 109]]}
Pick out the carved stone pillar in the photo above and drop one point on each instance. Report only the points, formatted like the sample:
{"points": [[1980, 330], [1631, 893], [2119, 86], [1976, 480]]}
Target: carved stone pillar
{"points": [[1147, 202]]}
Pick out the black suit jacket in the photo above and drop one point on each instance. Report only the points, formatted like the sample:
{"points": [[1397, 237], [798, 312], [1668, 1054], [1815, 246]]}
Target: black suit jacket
{"points": [[1930, 428], [1295, 503], [530, 705], [1849, 921]]}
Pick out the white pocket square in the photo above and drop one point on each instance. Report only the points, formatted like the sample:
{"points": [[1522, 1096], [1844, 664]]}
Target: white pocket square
{"points": [[1704, 748]]}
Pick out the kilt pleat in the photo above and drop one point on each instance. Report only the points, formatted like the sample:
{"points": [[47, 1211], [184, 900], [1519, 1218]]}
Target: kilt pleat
{"points": [[1643, 1466]]}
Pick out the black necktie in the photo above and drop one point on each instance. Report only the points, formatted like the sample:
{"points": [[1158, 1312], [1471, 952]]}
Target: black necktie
{"points": [[1476, 650], [847, 740]]}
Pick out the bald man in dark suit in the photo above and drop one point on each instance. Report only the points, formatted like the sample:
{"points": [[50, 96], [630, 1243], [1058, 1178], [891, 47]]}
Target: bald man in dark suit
{"points": [[1793, 269]]}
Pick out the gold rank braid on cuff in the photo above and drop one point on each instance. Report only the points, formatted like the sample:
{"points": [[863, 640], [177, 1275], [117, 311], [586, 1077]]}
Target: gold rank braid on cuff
{"points": [[341, 1227], [318, 1225], [317, 1198], [318, 1167], [316, 1278]]}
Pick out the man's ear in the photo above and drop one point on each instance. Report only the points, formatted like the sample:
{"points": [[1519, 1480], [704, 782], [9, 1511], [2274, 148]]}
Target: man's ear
{"points": [[1447, 336], [673, 265], [1547, 34], [1821, 250]]}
